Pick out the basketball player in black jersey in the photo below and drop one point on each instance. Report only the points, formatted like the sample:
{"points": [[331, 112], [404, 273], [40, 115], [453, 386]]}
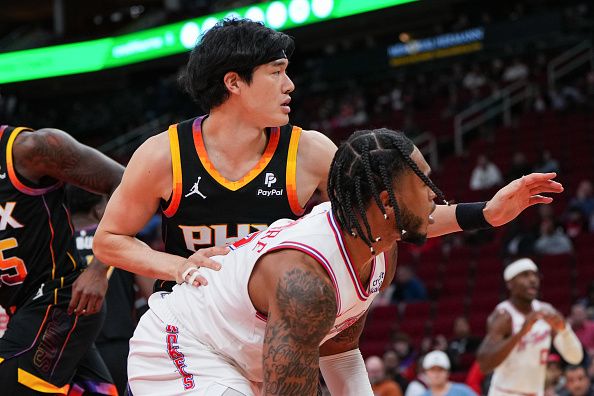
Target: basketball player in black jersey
{"points": [[54, 306], [218, 177]]}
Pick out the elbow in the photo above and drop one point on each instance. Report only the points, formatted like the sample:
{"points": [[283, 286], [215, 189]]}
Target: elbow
{"points": [[101, 248], [574, 358]]}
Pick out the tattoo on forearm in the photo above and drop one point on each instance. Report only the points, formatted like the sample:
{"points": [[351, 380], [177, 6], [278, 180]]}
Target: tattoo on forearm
{"points": [[307, 308]]}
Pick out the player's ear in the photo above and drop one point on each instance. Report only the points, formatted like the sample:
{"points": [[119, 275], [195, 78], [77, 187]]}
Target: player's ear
{"points": [[231, 81]]}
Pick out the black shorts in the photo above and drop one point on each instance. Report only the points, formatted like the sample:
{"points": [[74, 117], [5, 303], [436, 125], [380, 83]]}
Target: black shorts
{"points": [[163, 286], [47, 350]]}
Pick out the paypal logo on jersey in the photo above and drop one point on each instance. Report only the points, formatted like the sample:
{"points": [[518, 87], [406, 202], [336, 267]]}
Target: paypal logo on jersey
{"points": [[269, 180]]}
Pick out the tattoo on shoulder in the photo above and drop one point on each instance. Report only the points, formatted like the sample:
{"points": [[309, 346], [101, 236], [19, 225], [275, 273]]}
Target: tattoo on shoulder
{"points": [[308, 303], [291, 357]]}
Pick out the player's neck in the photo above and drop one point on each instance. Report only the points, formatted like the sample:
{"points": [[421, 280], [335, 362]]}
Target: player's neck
{"points": [[231, 134], [360, 256], [522, 305]]}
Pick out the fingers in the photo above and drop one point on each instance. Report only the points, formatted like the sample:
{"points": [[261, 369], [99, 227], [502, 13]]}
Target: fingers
{"points": [[74, 300], [191, 275], [81, 308], [201, 257], [539, 199]]}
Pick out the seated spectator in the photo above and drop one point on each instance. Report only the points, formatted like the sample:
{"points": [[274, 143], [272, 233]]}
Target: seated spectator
{"points": [[519, 167], [380, 383], [588, 301], [517, 70], [462, 341], [547, 163], [582, 326], [392, 365], [575, 223], [554, 379], [437, 366], [474, 79], [407, 287], [551, 240], [485, 175], [406, 354], [584, 198], [418, 385], [577, 382]]}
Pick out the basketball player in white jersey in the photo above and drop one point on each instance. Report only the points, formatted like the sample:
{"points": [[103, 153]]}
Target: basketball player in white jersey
{"points": [[292, 299], [519, 336]]}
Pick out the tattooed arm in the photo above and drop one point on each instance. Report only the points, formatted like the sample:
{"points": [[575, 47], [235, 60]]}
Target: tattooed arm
{"points": [[55, 154], [301, 311]]}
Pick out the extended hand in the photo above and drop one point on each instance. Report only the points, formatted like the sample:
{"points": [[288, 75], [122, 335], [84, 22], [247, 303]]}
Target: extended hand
{"points": [[521, 193], [88, 291], [189, 273]]}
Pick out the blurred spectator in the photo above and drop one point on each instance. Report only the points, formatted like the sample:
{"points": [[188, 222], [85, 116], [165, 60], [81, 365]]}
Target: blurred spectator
{"points": [[381, 385], [547, 163], [584, 198], [474, 79], [588, 301], [582, 327], [519, 239], [519, 167], [407, 286], [476, 379], [575, 222], [462, 342], [392, 365], [517, 70], [554, 379], [437, 366], [578, 383], [552, 240], [418, 386], [406, 354], [485, 175]]}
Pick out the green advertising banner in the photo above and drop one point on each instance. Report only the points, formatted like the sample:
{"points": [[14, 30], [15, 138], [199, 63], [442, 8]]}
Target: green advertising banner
{"points": [[94, 55]]}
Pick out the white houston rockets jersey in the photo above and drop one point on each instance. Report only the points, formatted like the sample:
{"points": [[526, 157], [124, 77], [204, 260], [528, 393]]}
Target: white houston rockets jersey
{"points": [[221, 315], [523, 371]]}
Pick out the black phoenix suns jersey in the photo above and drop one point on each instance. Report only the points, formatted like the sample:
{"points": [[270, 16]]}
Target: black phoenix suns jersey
{"points": [[36, 235], [206, 209]]}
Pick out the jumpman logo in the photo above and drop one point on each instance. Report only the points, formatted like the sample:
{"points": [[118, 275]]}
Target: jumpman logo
{"points": [[195, 190]]}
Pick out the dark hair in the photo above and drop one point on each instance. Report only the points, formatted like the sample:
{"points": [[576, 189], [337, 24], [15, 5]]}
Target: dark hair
{"points": [[366, 164], [81, 201], [238, 45]]}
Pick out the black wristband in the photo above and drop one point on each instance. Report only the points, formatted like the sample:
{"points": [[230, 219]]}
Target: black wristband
{"points": [[470, 216]]}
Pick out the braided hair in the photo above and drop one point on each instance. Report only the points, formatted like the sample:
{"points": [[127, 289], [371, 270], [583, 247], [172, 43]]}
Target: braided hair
{"points": [[365, 165]]}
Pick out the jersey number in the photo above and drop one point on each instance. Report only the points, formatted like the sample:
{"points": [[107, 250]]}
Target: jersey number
{"points": [[12, 270]]}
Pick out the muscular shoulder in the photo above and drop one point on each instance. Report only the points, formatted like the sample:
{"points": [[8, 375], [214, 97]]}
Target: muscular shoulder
{"points": [[316, 145], [499, 322], [35, 149], [151, 165], [314, 157]]}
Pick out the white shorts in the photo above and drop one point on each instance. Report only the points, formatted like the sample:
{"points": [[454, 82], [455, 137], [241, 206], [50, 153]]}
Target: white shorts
{"points": [[165, 360]]}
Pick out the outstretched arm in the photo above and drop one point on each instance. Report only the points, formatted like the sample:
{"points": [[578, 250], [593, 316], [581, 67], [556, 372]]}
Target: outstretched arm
{"points": [[505, 205], [53, 153], [302, 309]]}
